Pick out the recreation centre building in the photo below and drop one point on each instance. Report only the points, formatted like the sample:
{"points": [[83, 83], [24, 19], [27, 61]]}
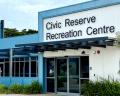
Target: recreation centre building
{"points": [[74, 44]]}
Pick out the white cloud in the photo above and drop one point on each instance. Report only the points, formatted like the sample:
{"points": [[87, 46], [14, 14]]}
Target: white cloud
{"points": [[23, 13]]}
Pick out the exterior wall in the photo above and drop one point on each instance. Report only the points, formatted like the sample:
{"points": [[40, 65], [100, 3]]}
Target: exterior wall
{"points": [[6, 43], [17, 80], [94, 4], [105, 64]]}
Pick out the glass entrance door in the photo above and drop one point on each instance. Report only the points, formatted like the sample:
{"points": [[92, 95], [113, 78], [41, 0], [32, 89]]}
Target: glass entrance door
{"points": [[61, 75], [66, 74], [73, 75]]}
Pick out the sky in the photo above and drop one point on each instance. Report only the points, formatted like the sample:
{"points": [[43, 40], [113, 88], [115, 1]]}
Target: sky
{"points": [[23, 14]]}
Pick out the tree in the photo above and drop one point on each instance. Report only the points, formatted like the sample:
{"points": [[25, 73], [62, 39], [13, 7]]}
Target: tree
{"points": [[118, 39], [11, 32]]}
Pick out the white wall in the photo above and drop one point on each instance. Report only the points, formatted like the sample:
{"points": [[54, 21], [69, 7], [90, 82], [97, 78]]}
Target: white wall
{"points": [[103, 65]]}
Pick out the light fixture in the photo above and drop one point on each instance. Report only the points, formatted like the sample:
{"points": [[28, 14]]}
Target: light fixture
{"points": [[83, 52], [98, 51]]}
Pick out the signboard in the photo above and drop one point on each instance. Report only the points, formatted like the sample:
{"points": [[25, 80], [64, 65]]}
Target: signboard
{"points": [[1, 29], [87, 24]]}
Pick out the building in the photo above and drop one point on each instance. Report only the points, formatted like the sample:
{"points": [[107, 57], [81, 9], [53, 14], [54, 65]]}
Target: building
{"points": [[74, 44]]}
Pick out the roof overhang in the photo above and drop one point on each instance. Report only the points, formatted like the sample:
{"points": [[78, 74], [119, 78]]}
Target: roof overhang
{"points": [[68, 44]]}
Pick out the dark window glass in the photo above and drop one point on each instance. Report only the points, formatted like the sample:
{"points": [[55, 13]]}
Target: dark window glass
{"points": [[74, 67], [33, 58], [6, 60], [21, 59], [74, 85], [6, 69], [22, 69], [33, 69], [84, 67], [13, 69], [1, 70], [26, 58], [74, 75], [16, 59], [83, 81], [26, 69], [1, 60], [17, 69], [62, 75], [50, 67], [50, 85]]}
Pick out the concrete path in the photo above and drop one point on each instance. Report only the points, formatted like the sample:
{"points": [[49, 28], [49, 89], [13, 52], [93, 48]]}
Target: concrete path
{"points": [[28, 95]]}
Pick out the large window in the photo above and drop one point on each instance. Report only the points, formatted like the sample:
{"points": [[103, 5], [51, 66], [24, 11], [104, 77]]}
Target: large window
{"points": [[21, 67], [4, 67], [25, 67]]}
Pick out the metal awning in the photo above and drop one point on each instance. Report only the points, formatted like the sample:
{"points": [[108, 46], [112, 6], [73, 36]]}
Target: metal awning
{"points": [[26, 49], [4, 52], [67, 44]]}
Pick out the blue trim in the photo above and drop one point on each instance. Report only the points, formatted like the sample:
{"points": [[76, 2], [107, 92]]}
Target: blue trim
{"points": [[17, 80], [94, 4], [41, 70], [7, 43]]}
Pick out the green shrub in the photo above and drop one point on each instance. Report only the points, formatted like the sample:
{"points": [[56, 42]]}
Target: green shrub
{"points": [[16, 88], [3, 89], [33, 88], [101, 88], [27, 89], [36, 87]]}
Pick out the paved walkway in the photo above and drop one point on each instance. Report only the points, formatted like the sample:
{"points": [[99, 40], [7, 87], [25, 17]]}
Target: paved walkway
{"points": [[28, 95]]}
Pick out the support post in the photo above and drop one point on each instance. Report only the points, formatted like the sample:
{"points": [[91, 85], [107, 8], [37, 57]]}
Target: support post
{"points": [[10, 62], [41, 76], [11, 55]]}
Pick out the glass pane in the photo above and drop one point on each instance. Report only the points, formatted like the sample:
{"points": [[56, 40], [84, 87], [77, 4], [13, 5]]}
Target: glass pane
{"points": [[26, 69], [17, 69], [50, 85], [21, 59], [62, 84], [33, 69], [1, 70], [50, 67], [6, 69], [1, 60], [84, 67], [62, 75], [62, 67], [13, 69], [74, 85], [74, 67], [83, 81], [33, 58], [74, 75], [6, 59], [22, 69]]}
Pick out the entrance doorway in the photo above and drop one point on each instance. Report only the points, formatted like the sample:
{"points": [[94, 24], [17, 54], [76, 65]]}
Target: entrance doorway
{"points": [[66, 74]]}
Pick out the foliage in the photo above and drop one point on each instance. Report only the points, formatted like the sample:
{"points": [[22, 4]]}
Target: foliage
{"points": [[101, 88], [36, 87], [3, 88], [27, 89], [16, 88], [33, 88], [118, 39], [11, 32]]}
